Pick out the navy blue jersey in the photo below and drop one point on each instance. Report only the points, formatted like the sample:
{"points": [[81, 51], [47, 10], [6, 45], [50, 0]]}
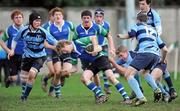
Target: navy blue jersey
{"points": [[63, 32], [12, 32], [101, 39], [80, 50], [94, 30]]}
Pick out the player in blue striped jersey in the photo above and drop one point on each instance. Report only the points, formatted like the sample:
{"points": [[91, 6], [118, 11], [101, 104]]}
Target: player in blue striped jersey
{"points": [[125, 57], [34, 54], [154, 20], [148, 51]]}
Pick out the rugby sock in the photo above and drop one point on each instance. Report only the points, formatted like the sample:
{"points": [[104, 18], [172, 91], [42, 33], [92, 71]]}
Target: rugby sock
{"points": [[167, 78], [28, 89], [45, 79], [137, 77], [106, 83], [99, 87], [23, 85], [57, 89], [92, 86], [162, 89], [151, 81], [51, 88], [121, 90], [135, 87]]}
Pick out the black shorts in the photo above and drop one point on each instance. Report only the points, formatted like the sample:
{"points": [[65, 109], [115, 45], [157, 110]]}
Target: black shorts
{"points": [[100, 64], [145, 61], [62, 58], [36, 63], [85, 64], [15, 64]]}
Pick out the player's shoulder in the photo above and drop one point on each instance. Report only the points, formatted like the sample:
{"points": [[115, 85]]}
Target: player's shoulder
{"points": [[154, 12], [106, 23]]}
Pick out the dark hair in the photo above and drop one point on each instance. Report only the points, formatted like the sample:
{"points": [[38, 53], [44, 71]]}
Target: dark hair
{"points": [[142, 17], [147, 1], [99, 11], [33, 16], [86, 13]]}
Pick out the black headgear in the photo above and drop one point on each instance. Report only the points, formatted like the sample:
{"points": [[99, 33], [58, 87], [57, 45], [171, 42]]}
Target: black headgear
{"points": [[99, 11], [33, 16]]}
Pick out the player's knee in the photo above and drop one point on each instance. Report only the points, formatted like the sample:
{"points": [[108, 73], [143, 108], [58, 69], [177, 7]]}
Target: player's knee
{"points": [[83, 79]]}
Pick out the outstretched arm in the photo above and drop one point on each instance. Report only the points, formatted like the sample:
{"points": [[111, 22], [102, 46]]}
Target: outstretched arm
{"points": [[123, 36], [119, 68], [3, 45]]}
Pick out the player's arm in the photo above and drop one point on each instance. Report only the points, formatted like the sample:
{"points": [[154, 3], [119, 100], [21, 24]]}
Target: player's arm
{"points": [[47, 45], [123, 36], [49, 39], [130, 34], [3, 38], [3, 45], [119, 68], [111, 45], [97, 48], [163, 47]]}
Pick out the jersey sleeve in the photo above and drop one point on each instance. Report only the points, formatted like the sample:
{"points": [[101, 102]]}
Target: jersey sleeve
{"points": [[157, 22], [160, 43], [102, 31], [84, 41], [4, 36], [50, 39], [133, 31]]}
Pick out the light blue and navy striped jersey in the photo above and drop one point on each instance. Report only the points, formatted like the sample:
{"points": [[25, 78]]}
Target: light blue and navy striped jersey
{"points": [[34, 41], [154, 20], [63, 32], [93, 30], [147, 37], [126, 63], [12, 32], [101, 39], [79, 50]]}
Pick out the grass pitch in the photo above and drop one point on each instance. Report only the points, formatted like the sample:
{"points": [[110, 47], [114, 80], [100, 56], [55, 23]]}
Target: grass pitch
{"points": [[76, 97]]}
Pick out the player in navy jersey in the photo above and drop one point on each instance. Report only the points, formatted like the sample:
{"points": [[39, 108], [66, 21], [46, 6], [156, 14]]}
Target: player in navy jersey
{"points": [[148, 51], [60, 30], [11, 32], [154, 20], [77, 49], [34, 54], [99, 19], [89, 28]]}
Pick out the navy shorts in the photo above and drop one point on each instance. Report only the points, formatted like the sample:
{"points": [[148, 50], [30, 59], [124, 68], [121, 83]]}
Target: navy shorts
{"points": [[145, 61], [162, 66], [36, 63]]}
